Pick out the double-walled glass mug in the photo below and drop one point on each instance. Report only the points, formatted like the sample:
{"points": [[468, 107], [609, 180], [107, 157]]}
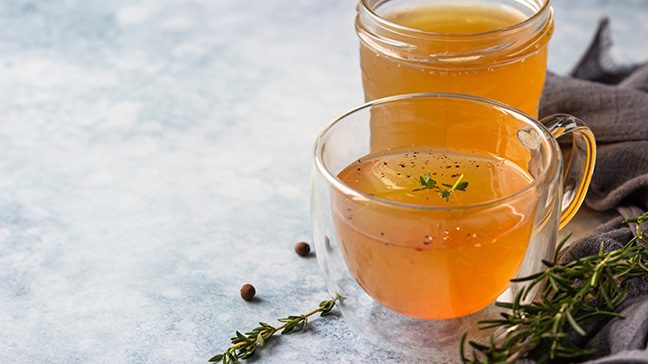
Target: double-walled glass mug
{"points": [[418, 274], [490, 48]]}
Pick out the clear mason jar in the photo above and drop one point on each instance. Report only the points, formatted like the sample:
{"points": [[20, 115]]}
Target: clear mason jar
{"points": [[506, 64], [395, 288]]}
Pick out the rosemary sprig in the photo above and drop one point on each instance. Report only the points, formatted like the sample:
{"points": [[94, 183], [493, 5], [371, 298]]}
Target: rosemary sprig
{"points": [[571, 295], [429, 184], [245, 345]]}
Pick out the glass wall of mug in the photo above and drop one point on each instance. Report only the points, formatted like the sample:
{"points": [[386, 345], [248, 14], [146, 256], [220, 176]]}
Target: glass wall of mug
{"points": [[429, 272], [490, 48]]}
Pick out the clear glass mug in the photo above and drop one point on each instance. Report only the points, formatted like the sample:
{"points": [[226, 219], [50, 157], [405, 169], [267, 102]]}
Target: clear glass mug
{"points": [[370, 248], [505, 64]]}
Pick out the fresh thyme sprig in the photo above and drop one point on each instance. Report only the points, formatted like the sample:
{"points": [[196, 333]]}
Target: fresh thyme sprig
{"points": [[245, 345], [429, 184], [571, 295]]}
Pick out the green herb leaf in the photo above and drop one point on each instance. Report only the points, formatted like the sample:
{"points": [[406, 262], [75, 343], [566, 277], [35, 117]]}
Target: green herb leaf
{"points": [[461, 186], [574, 324], [216, 358]]}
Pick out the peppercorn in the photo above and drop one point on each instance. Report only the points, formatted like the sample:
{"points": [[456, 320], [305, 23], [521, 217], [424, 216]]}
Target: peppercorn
{"points": [[248, 292], [302, 249]]}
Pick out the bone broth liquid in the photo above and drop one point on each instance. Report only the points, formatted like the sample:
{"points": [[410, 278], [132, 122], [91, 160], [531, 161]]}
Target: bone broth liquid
{"points": [[461, 18], [507, 66], [427, 262]]}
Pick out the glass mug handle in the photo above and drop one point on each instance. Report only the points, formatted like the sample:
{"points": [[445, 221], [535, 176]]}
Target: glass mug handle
{"points": [[580, 167]]}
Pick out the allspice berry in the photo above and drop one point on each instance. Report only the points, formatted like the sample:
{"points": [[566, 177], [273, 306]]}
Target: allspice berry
{"points": [[248, 292], [302, 249]]}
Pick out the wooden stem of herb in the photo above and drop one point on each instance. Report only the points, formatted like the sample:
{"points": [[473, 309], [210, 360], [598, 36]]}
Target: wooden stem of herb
{"points": [[245, 345], [429, 184], [569, 296]]}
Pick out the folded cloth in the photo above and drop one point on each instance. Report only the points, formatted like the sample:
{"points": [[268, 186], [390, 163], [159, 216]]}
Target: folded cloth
{"points": [[613, 102], [617, 113]]}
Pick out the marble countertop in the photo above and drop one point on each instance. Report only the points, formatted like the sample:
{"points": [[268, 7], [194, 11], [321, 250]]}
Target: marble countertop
{"points": [[155, 156]]}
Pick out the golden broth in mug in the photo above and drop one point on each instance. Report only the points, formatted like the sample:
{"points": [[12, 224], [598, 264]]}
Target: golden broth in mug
{"points": [[434, 263]]}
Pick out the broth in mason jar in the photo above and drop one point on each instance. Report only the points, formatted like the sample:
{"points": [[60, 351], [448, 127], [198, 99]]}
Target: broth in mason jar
{"points": [[469, 50]]}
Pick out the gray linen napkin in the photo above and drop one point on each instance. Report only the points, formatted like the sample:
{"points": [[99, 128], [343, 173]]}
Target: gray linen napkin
{"points": [[613, 101]]}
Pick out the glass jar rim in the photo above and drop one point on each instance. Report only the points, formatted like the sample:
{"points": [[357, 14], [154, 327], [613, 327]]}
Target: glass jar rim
{"points": [[384, 22], [333, 180]]}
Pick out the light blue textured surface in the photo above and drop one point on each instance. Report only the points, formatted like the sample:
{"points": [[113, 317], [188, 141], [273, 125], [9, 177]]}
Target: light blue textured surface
{"points": [[155, 155]]}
